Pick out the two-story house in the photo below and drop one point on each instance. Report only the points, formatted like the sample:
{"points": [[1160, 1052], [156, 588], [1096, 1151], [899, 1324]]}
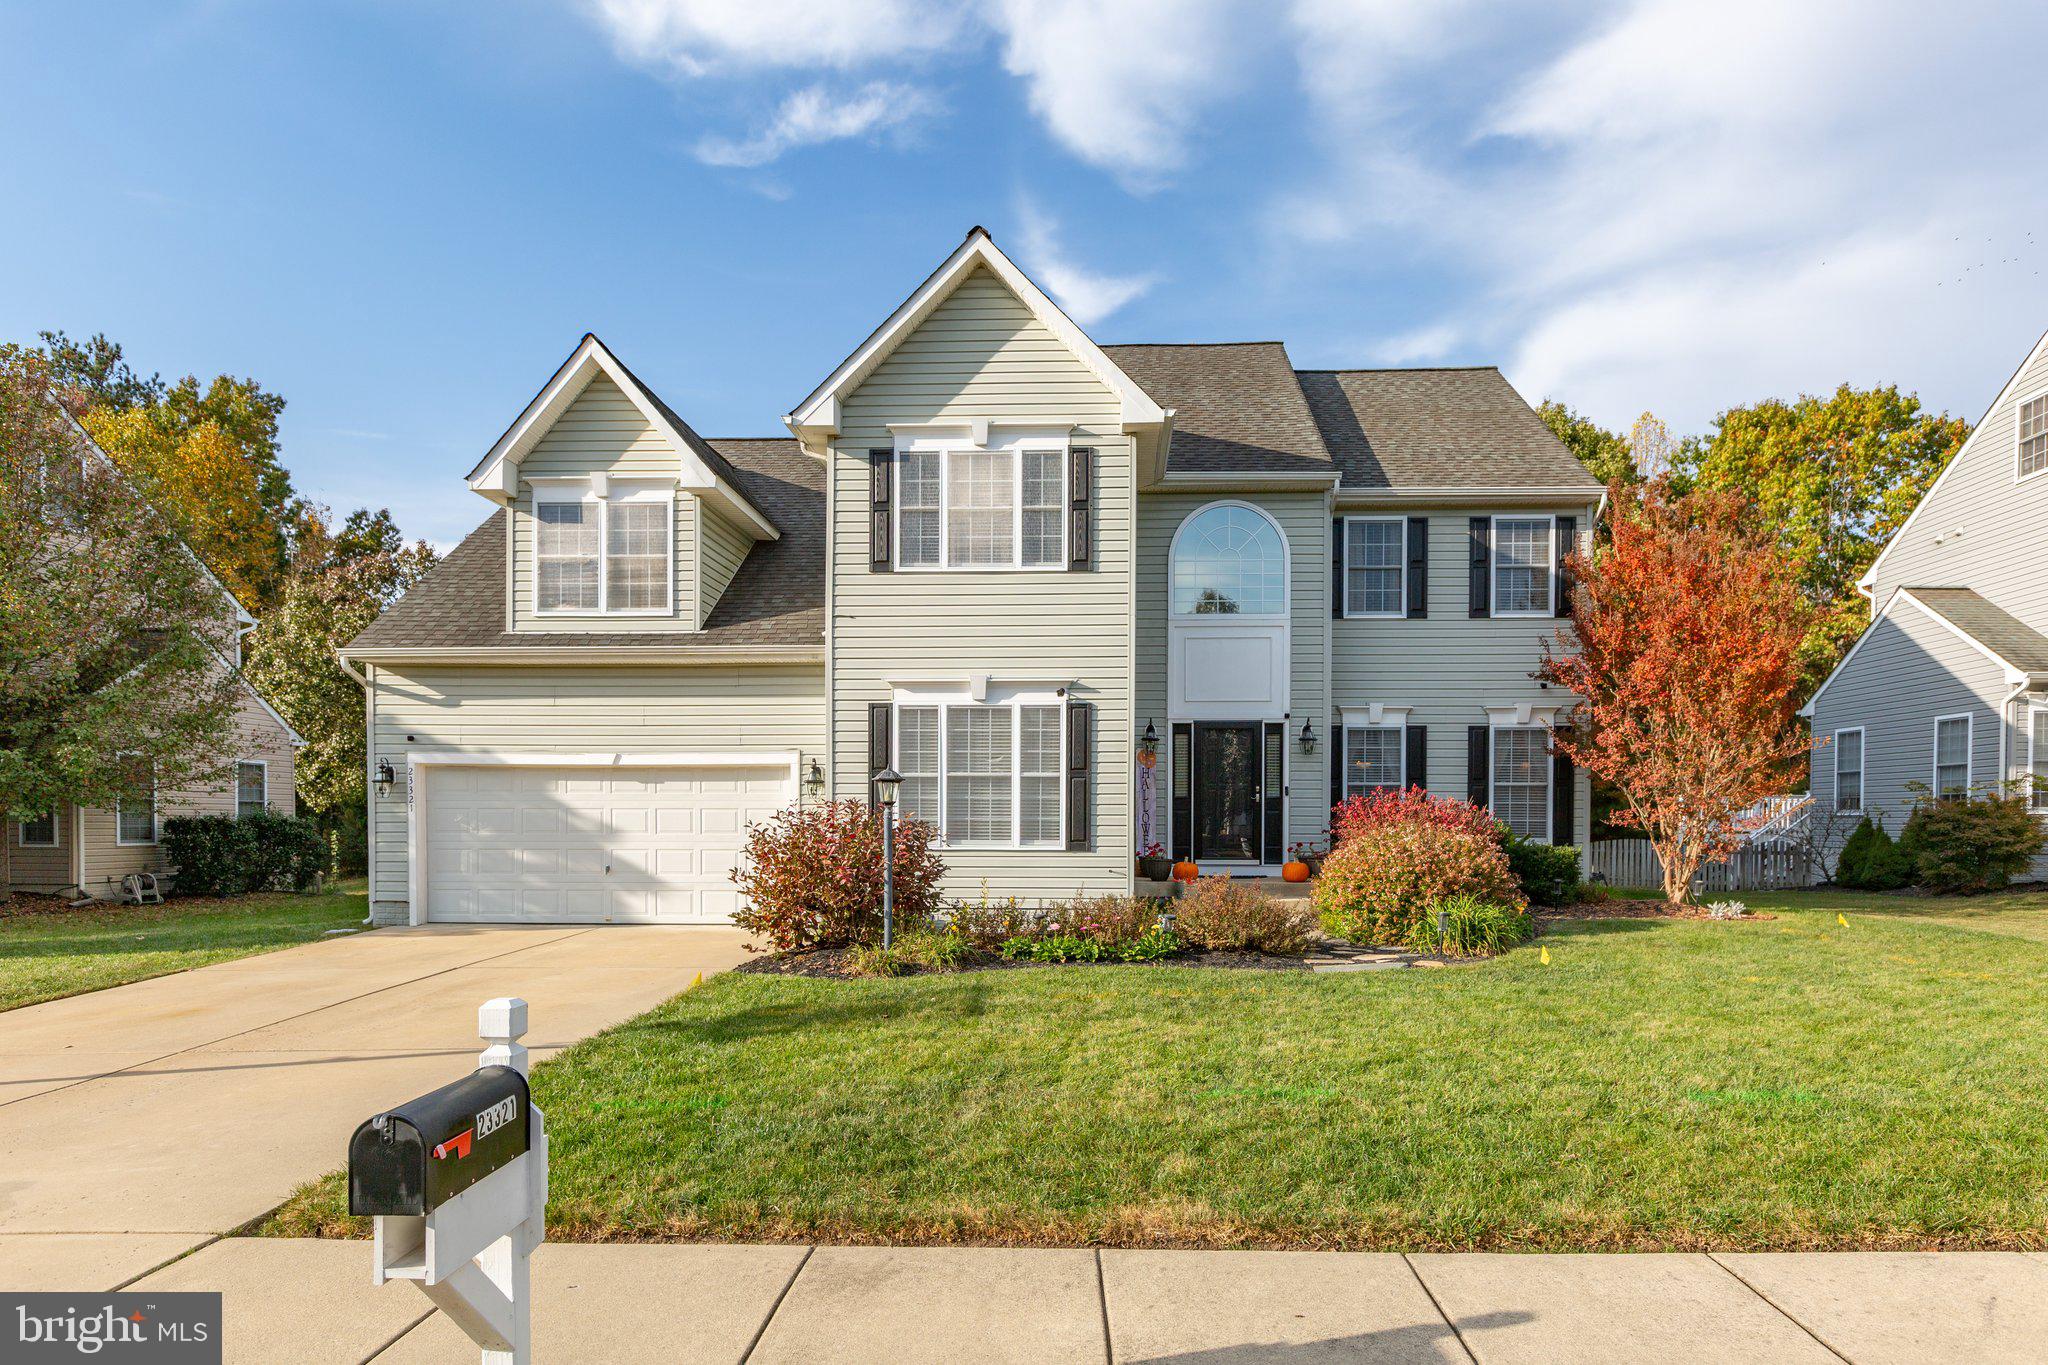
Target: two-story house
{"points": [[1082, 597], [1947, 691]]}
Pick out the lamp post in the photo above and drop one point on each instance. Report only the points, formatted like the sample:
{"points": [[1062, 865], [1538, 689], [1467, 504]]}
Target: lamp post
{"points": [[886, 783]]}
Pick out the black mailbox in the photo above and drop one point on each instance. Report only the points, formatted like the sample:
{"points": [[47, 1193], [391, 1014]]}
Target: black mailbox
{"points": [[418, 1156]]}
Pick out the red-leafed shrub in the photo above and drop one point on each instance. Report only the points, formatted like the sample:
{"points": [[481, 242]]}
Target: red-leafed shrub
{"points": [[812, 876], [1356, 815], [1380, 884], [1222, 914]]}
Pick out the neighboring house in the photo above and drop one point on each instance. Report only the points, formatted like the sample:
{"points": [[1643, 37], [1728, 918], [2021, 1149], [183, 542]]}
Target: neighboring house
{"points": [[88, 850], [1947, 691], [1031, 572]]}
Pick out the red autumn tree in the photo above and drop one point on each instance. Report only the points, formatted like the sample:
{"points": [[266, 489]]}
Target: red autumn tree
{"points": [[1684, 646]]}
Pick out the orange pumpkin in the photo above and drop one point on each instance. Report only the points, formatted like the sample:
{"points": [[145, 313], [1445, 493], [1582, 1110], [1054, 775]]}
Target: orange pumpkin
{"points": [[1185, 872], [1294, 870]]}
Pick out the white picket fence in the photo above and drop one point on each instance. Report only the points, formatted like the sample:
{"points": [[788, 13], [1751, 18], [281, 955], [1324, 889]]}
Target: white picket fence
{"points": [[1633, 862]]}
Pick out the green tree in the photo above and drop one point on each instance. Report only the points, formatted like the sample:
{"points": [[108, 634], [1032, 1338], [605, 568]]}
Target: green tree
{"points": [[1604, 453], [97, 371], [1834, 478]]}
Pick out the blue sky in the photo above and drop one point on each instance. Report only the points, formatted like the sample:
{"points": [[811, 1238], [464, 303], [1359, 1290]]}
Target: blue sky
{"points": [[402, 216]]}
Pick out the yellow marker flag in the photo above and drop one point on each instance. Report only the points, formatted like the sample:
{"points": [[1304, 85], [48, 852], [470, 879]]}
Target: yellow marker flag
{"points": [[696, 981], [1841, 919], [1544, 957]]}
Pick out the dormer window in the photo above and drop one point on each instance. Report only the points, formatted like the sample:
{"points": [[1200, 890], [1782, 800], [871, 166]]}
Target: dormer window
{"points": [[606, 551]]}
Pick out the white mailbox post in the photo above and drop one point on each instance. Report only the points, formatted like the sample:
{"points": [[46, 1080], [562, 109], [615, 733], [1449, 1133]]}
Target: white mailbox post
{"points": [[471, 1250]]}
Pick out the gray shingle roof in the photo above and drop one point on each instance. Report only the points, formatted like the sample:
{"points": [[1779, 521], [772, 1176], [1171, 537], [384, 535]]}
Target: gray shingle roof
{"points": [[1998, 630], [1450, 428], [1236, 406], [776, 598]]}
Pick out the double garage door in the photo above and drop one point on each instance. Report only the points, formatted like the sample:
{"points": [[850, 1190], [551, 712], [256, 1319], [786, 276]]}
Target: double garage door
{"points": [[591, 845]]}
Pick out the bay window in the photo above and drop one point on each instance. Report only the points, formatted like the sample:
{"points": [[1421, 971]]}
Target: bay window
{"points": [[611, 555], [985, 774], [1000, 507]]}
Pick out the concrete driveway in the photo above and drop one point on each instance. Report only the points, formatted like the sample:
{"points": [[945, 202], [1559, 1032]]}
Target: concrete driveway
{"points": [[187, 1105]]}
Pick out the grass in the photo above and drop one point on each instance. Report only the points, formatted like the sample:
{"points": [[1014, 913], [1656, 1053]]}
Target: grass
{"points": [[1785, 1083], [46, 956]]}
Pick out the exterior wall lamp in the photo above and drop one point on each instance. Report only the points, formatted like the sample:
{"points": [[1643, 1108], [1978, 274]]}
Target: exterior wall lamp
{"points": [[814, 780], [1308, 736], [1148, 743], [385, 777]]}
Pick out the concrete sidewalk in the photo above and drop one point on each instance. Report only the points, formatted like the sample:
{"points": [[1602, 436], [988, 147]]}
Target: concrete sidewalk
{"points": [[313, 1301]]}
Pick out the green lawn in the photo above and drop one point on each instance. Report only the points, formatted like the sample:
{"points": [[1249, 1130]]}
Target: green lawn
{"points": [[1784, 1083], [45, 956]]}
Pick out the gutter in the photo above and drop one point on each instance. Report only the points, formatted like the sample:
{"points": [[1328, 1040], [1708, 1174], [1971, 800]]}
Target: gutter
{"points": [[1369, 497], [588, 656]]}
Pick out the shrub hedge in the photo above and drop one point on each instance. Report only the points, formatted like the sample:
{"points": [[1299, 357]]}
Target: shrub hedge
{"points": [[1978, 843], [1548, 873], [222, 855], [1377, 886], [1871, 860]]}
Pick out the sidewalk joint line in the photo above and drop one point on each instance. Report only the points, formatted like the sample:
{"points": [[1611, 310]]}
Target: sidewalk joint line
{"points": [[169, 1260], [776, 1306], [1775, 1307], [400, 1335], [1449, 1322], [1102, 1298]]}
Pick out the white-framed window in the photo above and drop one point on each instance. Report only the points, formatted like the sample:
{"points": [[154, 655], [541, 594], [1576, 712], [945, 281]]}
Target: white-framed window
{"points": [[135, 812], [2037, 757], [994, 508], [1375, 566], [1519, 785], [1952, 755], [39, 831], [1523, 564], [1849, 769], [1228, 559], [2030, 422], [986, 774], [252, 787], [609, 556], [1375, 758]]}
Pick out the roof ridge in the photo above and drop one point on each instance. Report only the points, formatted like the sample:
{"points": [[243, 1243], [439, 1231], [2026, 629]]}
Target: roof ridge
{"points": [[1188, 345], [1397, 369]]}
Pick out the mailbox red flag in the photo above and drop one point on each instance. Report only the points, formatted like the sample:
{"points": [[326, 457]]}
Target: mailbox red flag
{"points": [[457, 1146]]}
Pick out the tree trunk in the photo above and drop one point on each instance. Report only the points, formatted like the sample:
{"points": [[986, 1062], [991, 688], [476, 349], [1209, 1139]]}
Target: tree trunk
{"points": [[1680, 858], [6, 868]]}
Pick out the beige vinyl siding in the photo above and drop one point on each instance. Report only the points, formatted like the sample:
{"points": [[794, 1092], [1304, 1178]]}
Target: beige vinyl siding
{"points": [[721, 547], [1449, 668], [1992, 527], [577, 710], [1305, 520], [603, 432], [104, 860], [42, 869], [983, 354]]}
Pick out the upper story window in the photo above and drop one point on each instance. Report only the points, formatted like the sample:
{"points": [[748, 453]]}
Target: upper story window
{"points": [[1000, 507], [135, 812], [1849, 769], [252, 787], [613, 555], [1229, 560], [1522, 566], [1375, 554], [2032, 420]]}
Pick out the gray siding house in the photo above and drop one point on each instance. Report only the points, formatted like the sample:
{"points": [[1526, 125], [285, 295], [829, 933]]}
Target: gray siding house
{"points": [[1084, 598], [1948, 689]]}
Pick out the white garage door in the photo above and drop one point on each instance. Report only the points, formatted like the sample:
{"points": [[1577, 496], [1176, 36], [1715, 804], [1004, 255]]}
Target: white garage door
{"points": [[591, 845]]}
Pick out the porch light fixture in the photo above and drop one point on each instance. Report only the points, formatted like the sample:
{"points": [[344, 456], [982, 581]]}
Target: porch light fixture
{"points": [[385, 777], [1308, 736], [1148, 743], [815, 778]]}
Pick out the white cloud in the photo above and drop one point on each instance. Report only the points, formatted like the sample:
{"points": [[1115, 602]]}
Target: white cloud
{"points": [[813, 115], [1087, 295], [696, 37]]}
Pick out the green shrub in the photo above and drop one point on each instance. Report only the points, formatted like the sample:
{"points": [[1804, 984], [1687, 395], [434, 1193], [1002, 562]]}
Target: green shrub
{"points": [[1472, 928], [220, 855], [1156, 943], [1111, 921], [1222, 915], [1871, 860], [1548, 873], [1379, 885], [1054, 948], [286, 852], [987, 925], [1977, 843], [913, 950]]}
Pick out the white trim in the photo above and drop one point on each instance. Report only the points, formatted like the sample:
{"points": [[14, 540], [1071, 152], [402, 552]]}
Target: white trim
{"points": [[1284, 616], [1494, 726], [2034, 792], [1371, 497], [2038, 396], [56, 832], [650, 655], [819, 415], [1493, 567], [1373, 713], [1862, 768], [947, 442], [1523, 714], [602, 492], [1969, 720], [417, 791], [1869, 579], [2013, 673], [1226, 481], [1013, 699], [260, 763], [1397, 723], [1400, 570]]}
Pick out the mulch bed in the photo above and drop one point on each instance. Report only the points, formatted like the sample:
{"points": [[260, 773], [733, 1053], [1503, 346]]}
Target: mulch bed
{"points": [[1634, 909], [836, 964], [25, 904]]}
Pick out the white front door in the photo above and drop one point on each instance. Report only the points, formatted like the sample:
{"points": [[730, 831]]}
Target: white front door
{"points": [[590, 845]]}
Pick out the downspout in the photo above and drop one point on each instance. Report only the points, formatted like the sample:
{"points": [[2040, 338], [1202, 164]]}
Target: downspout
{"points": [[369, 785], [2005, 728]]}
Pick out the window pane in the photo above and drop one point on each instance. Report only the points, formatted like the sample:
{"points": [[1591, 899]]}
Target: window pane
{"points": [[1044, 507], [1521, 781], [636, 556], [1952, 756], [1372, 758], [249, 793], [1521, 565], [1040, 767], [980, 522], [978, 774], [565, 546], [1373, 568], [917, 759], [40, 831], [917, 493], [2040, 760], [1849, 770], [135, 814], [1228, 561], [2033, 419]]}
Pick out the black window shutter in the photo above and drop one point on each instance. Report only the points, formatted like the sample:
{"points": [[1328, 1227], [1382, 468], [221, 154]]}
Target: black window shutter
{"points": [[1417, 758], [1181, 809], [1336, 764], [1418, 568], [1080, 494], [1564, 796], [881, 491], [1274, 783], [880, 718], [1482, 567], [1567, 541], [1337, 569], [1478, 762], [1080, 746]]}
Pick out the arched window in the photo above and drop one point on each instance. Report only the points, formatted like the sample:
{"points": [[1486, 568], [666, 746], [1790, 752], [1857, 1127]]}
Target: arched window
{"points": [[1229, 560]]}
